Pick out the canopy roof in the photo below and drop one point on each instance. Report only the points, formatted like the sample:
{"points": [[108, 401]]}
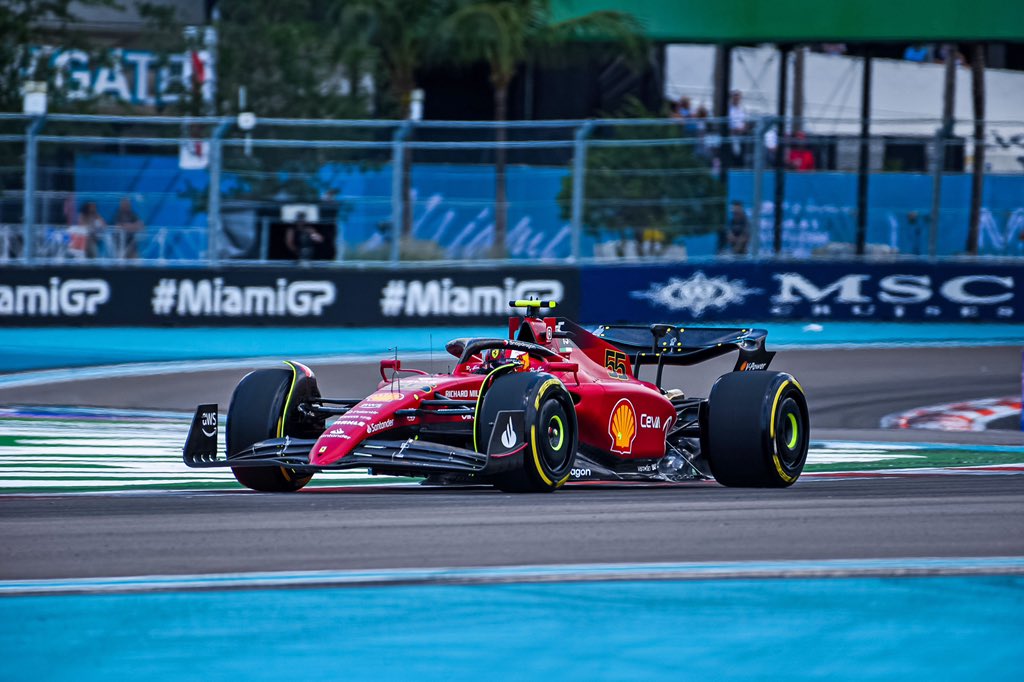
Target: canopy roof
{"points": [[805, 21]]}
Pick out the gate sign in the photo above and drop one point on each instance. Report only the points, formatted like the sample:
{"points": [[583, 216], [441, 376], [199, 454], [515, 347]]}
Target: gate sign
{"points": [[139, 77]]}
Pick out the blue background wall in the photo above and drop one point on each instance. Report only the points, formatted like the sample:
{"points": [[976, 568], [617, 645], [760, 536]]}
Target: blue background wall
{"points": [[453, 206]]}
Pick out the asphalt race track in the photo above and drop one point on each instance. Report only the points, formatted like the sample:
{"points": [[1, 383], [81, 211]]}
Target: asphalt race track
{"points": [[849, 390], [920, 515]]}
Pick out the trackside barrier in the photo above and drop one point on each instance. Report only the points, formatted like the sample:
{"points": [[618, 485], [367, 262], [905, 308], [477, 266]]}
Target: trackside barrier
{"points": [[291, 296], [708, 292], [908, 291]]}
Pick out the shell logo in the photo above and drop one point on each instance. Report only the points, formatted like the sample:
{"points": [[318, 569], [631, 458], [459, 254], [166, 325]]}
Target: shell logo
{"points": [[622, 427]]}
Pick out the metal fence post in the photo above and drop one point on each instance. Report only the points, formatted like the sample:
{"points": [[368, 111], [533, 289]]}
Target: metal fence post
{"points": [[29, 199], [939, 162], [397, 200], [579, 171], [760, 128], [213, 221]]}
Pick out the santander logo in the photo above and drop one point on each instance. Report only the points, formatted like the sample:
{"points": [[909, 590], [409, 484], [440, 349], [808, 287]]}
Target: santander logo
{"points": [[380, 426]]}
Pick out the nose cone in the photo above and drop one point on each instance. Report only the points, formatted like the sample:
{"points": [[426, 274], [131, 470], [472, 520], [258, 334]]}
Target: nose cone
{"points": [[367, 419]]}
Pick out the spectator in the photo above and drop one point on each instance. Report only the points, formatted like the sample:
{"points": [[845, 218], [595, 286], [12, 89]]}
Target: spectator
{"points": [[833, 48], [738, 124], [958, 56], [736, 233], [85, 234], [800, 157], [128, 222], [301, 239], [918, 53], [652, 241], [709, 140], [683, 109], [701, 118]]}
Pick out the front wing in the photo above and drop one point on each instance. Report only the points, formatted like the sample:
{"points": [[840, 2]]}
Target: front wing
{"points": [[382, 456]]}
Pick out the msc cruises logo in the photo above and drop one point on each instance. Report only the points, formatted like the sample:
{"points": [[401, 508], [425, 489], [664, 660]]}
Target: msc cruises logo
{"points": [[697, 293]]}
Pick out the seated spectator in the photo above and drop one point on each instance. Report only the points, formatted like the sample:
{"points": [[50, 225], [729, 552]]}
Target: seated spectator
{"points": [[800, 158], [735, 234], [85, 234], [130, 225]]}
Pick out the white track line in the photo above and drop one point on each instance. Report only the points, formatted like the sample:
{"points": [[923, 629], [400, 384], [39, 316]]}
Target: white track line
{"points": [[835, 568]]}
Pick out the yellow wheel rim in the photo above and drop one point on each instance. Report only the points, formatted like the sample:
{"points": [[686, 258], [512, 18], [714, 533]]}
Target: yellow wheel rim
{"points": [[794, 431]]}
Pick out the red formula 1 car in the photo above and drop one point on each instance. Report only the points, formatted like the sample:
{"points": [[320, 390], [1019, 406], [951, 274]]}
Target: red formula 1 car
{"points": [[554, 402]]}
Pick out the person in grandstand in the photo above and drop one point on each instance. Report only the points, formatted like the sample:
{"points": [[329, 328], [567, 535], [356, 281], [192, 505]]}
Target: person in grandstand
{"points": [[84, 236], [129, 223]]}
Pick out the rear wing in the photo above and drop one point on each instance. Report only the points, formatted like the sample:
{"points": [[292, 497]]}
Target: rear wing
{"points": [[666, 344]]}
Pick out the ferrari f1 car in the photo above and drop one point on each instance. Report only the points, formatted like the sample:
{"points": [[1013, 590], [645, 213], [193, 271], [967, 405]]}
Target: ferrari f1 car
{"points": [[552, 403]]}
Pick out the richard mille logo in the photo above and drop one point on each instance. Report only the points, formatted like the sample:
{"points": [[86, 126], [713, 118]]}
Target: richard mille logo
{"points": [[697, 293], [508, 436]]}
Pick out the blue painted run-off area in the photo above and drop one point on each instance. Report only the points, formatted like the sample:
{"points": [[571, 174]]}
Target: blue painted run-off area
{"points": [[837, 629], [24, 349]]}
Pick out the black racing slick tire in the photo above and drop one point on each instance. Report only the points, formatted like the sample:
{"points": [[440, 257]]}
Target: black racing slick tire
{"points": [[543, 465], [263, 406], [756, 430]]}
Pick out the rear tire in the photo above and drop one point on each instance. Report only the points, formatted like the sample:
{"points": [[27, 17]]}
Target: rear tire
{"points": [[257, 412], [756, 431], [551, 431]]}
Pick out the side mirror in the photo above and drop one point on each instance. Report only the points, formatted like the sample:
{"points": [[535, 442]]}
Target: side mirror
{"points": [[572, 367], [394, 365]]}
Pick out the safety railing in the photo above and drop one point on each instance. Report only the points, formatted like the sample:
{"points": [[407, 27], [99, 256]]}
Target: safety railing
{"points": [[206, 190]]}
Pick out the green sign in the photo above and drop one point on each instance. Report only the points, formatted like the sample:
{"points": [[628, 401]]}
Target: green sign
{"points": [[746, 21]]}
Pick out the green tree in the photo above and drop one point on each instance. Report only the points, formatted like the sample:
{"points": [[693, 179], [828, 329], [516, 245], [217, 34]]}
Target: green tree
{"points": [[394, 37], [287, 58], [285, 55], [662, 185], [505, 34], [26, 24]]}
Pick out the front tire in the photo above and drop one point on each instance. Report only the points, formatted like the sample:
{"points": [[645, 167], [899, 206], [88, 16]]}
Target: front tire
{"points": [[551, 431], [756, 431], [260, 409]]}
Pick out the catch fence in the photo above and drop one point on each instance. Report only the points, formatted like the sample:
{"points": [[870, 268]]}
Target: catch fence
{"points": [[216, 190]]}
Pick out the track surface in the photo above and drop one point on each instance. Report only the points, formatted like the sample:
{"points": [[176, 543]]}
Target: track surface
{"points": [[849, 391], [921, 516]]}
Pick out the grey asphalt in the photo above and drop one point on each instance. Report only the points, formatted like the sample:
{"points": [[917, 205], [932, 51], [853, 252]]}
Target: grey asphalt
{"points": [[849, 391], [924, 516]]}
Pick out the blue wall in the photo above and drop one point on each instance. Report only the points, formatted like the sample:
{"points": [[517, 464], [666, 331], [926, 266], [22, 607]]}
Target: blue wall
{"points": [[821, 208], [453, 206]]}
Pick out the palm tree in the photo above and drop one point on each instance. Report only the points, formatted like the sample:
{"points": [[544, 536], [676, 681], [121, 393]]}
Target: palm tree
{"points": [[505, 34], [397, 34]]}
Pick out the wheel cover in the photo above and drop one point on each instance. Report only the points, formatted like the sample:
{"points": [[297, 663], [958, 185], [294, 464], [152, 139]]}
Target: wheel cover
{"points": [[553, 439], [556, 432], [789, 435], [793, 429]]}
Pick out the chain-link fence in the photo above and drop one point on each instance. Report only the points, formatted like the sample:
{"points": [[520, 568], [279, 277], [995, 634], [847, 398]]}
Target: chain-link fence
{"points": [[165, 189]]}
